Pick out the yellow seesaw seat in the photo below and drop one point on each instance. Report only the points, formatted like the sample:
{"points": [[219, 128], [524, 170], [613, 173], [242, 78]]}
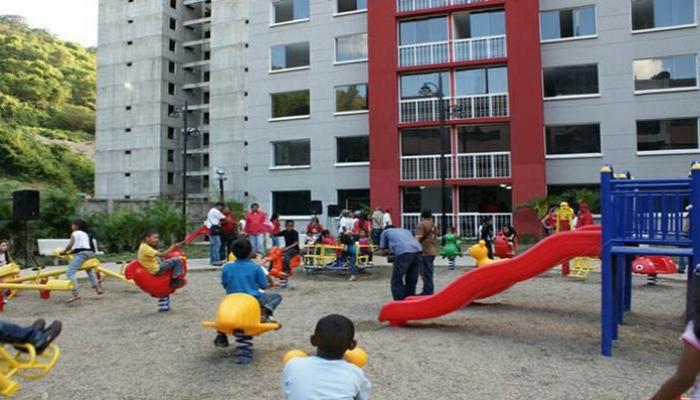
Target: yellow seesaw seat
{"points": [[29, 366], [240, 312]]}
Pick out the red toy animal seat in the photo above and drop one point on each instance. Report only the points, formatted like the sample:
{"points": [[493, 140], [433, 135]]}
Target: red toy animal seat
{"points": [[654, 265], [501, 247], [277, 262], [157, 286]]}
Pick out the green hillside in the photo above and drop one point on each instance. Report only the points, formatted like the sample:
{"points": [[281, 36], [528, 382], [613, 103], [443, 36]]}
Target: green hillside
{"points": [[47, 110]]}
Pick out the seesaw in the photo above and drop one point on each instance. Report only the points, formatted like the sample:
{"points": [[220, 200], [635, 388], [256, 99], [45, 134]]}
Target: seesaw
{"points": [[11, 283], [238, 314], [25, 365]]}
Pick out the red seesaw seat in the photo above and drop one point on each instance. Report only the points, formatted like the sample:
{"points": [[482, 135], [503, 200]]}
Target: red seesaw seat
{"points": [[157, 286]]}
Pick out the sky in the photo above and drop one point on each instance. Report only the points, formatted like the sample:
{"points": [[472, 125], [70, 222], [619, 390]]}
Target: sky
{"points": [[71, 20]]}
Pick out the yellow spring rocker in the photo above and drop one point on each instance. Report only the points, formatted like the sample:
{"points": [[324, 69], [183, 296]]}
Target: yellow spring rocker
{"points": [[11, 282], [238, 314], [25, 365]]}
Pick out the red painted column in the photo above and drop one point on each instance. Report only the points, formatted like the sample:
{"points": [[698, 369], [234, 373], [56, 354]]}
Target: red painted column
{"points": [[526, 110], [383, 108]]}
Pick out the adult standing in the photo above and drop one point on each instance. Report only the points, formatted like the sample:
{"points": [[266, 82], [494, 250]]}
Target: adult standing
{"points": [[407, 260], [486, 234], [377, 224], [213, 223], [426, 235], [346, 222], [255, 228], [229, 232], [386, 218]]}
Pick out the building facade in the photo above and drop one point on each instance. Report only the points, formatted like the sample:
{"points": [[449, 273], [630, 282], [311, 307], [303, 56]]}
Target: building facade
{"points": [[338, 101]]}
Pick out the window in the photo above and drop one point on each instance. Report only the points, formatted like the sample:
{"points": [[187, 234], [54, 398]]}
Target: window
{"points": [[570, 23], [171, 178], [171, 45], [418, 199], [130, 21], [351, 48], [171, 132], [173, 23], [346, 6], [129, 64], [292, 203], [350, 98], [483, 138], [573, 80], [665, 73], [171, 67], [481, 81], [667, 135], [128, 108], [411, 84], [171, 89], [290, 104], [128, 174], [573, 139], [129, 43], [655, 14], [289, 10], [295, 153], [171, 109], [205, 181], [205, 139], [479, 24], [353, 199], [127, 152], [423, 142], [171, 155], [288, 56], [352, 149], [428, 30], [127, 130], [173, 4], [205, 160]]}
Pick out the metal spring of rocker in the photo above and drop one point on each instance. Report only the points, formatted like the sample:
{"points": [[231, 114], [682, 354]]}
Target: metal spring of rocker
{"points": [[243, 352], [164, 304]]}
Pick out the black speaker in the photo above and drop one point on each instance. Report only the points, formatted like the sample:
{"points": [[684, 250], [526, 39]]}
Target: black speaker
{"points": [[316, 207], [333, 210], [25, 204]]}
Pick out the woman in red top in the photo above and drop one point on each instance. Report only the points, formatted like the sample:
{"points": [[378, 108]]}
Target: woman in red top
{"points": [[314, 229], [362, 224], [255, 228]]}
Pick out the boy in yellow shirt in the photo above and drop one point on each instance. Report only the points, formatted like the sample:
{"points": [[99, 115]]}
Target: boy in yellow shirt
{"points": [[148, 257]]}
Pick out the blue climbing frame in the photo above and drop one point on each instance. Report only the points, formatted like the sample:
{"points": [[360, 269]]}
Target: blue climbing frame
{"points": [[647, 212]]}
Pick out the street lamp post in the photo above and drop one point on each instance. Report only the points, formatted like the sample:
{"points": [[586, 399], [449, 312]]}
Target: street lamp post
{"points": [[221, 176], [427, 91], [182, 112]]}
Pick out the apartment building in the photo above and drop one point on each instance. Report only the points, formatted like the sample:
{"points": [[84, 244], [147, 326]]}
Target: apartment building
{"points": [[339, 100]]}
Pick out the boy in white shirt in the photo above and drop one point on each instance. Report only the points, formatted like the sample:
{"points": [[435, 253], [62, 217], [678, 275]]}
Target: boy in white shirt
{"points": [[327, 375], [213, 223], [82, 249]]}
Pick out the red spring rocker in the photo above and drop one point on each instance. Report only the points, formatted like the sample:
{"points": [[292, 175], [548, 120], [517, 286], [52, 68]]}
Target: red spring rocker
{"points": [[157, 286], [276, 258], [501, 247], [654, 265]]}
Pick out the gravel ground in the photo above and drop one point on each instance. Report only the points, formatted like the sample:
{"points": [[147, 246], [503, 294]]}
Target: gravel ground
{"points": [[539, 340]]}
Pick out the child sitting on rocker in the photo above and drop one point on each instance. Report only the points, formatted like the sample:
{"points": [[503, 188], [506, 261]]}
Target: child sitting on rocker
{"points": [[246, 276], [327, 375], [148, 257]]}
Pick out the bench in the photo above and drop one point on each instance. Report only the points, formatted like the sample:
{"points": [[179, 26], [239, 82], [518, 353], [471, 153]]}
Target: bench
{"points": [[47, 246]]}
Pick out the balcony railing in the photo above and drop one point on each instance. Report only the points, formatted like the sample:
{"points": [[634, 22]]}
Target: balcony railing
{"points": [[468, 166], [481, 48], [424, 54], [483, 165], [415, 5], [465, 107], [467, 224], [422, 168]]}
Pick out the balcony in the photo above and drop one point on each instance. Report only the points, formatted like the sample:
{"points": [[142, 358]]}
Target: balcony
{"points": [[467, 223], [481, 48], [495, 165], [416, 5], [464, 107]]}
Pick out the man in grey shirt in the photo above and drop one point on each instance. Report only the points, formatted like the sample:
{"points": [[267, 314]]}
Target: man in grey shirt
{"points": [[407, 260]]}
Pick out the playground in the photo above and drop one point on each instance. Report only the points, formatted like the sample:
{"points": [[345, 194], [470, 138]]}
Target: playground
{"points": [[538, 340]]}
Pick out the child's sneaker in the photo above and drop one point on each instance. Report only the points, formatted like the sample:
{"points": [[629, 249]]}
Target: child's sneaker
{"points": [[73, 299], [221, 340], [177, 283], [352, 278]]}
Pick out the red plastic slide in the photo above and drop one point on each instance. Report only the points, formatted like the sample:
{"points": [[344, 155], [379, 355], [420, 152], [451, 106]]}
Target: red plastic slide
{"points": [[494, 278]]}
